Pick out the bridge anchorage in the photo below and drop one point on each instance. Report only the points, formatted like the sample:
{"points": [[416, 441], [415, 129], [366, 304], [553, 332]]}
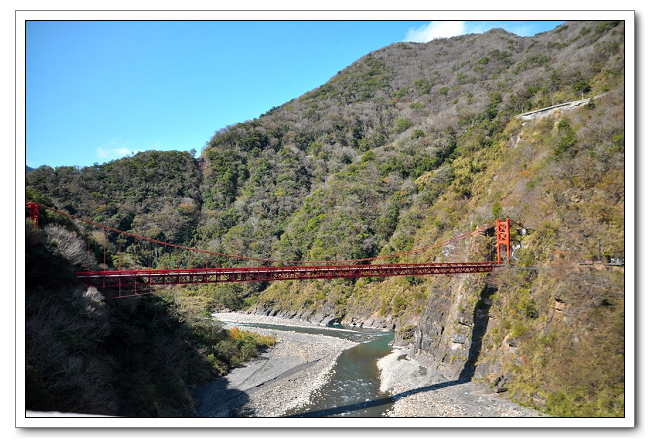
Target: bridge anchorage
{"points": [[285, 270]]}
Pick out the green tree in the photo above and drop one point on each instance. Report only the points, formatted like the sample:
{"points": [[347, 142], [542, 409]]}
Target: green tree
{"points": [[581, 86], [402, 124], [567, 138], [497, 210]]}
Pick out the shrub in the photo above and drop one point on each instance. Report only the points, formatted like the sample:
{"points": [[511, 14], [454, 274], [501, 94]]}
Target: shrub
{"points": [[418, 133], [581, 87], [368, 156], [407, 332], [497, 210], [528, 308], [402, 125], [567, 138]]}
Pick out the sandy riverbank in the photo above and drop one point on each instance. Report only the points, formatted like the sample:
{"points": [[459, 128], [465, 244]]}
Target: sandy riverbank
{"points": [[280, 379]]}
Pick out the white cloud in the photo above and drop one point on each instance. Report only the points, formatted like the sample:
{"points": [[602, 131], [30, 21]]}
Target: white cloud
{"points": [[435, 30], [523, 30], [121, 151], [115, 152], [445, 29], [518, 28]]}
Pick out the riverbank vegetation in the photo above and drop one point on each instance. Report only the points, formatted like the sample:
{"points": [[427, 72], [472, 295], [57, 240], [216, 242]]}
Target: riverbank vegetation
{"points": [[136, 356], [410, 145]]}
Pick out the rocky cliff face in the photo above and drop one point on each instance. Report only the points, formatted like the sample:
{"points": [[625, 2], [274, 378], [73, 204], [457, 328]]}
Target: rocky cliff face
{"points": [[325, 314], [451, 332], [444, 332]]}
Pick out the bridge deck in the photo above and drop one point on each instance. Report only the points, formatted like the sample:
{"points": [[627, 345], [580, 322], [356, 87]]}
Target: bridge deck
{"points": [[252, 274]]}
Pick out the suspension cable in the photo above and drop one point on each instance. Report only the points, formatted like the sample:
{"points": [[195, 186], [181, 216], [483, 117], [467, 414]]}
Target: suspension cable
{"points": [[457, 238]]}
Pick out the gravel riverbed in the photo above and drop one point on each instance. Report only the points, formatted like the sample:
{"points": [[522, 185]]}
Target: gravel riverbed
{"points": [[419, 391], [280, 379], [284, 377]]}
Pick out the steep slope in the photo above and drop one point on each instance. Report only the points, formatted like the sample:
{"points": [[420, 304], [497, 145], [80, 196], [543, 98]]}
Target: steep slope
{"points": [[412, 144], [445, 171], [98, 353]]}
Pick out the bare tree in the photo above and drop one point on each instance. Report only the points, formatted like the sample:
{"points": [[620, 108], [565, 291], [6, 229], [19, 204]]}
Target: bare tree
{"points": [[70, 246]]}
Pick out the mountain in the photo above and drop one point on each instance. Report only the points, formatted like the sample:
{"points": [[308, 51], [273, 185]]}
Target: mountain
{"points": [[409, 145]]}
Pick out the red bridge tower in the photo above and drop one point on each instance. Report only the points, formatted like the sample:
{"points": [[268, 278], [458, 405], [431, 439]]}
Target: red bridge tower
{"points": [[503, 238]]}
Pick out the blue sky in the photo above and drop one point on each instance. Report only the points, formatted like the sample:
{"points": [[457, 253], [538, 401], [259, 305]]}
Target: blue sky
{"points": [[100, 90]]}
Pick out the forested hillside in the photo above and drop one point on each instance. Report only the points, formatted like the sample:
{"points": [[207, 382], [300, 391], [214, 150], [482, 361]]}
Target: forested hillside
{"points": [[412, 144]]}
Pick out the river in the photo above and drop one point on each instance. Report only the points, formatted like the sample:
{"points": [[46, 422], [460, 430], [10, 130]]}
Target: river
{"points": [[315, 371], [352, 389]]}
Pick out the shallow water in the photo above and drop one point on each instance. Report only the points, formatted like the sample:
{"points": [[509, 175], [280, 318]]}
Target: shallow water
{"points": [[352, 389]]}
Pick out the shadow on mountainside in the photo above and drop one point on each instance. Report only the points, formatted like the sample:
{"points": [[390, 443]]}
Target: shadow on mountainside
{"points": [[481, 317], [216, 399], [338, 410]]}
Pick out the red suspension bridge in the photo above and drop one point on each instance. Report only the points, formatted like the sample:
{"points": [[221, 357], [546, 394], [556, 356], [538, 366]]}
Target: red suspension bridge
{"points": [[284, 270]]}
